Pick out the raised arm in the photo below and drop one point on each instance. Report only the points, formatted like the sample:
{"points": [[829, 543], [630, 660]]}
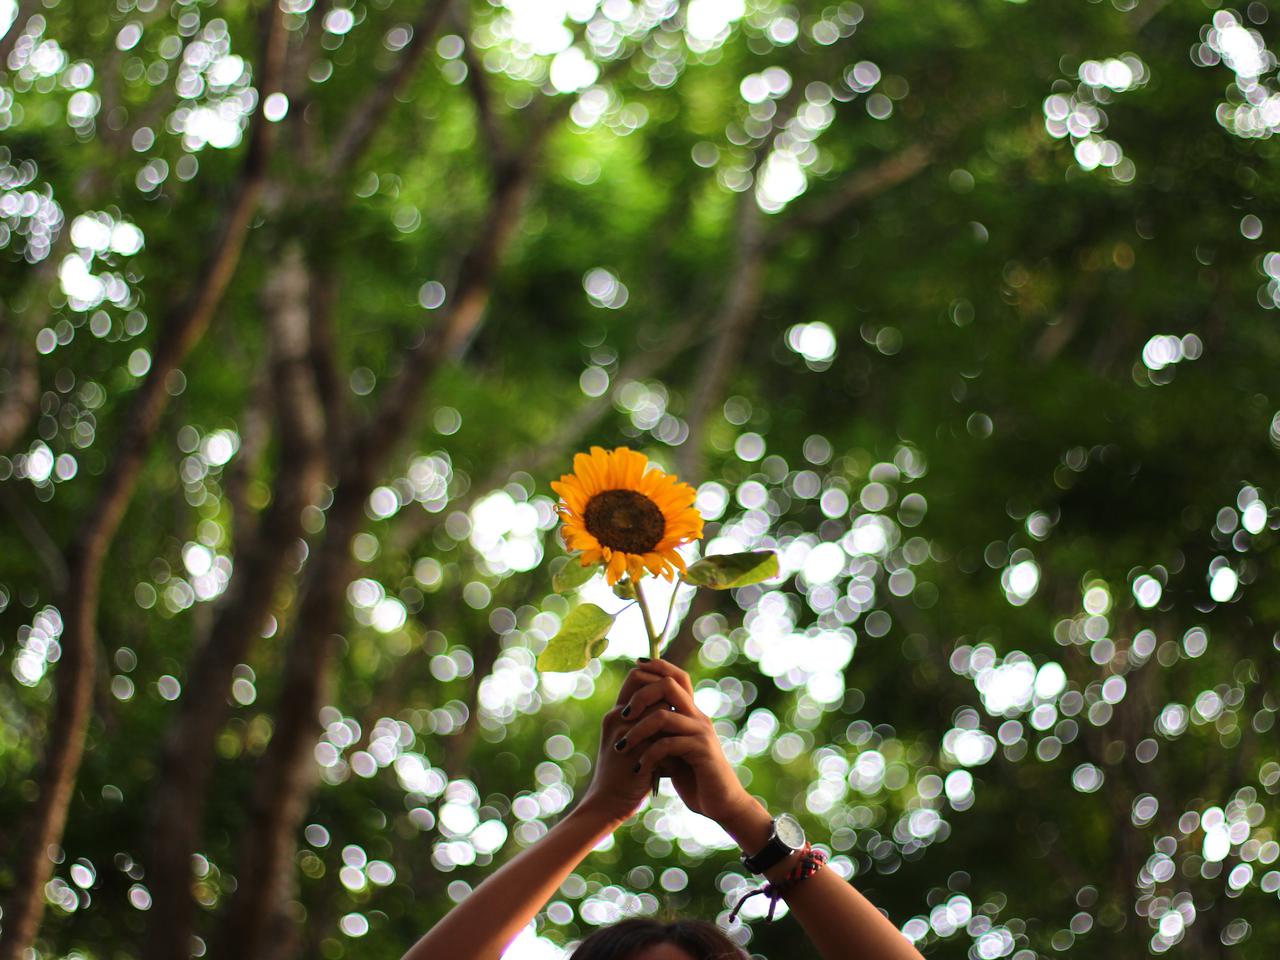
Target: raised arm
{"points": [[682, 744], [482, 925]]}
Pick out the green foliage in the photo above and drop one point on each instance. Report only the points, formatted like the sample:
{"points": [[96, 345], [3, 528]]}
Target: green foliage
{"points": [[987, 463], [568, 574], [728, 570], [580, 639]]}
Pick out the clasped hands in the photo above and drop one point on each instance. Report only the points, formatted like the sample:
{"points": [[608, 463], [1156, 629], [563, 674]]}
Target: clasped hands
{"points": [[655, 727]]}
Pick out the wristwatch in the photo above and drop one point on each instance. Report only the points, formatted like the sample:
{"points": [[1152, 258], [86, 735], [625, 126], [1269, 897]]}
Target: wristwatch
{"points": [[785, 839]]}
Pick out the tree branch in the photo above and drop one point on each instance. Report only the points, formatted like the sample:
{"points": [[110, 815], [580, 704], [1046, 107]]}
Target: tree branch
{"points": [[21, 396], [74, 677], [743, 290], [482, 97], [324, 358], [745, 286], [261, 565], [366, 116], [1067, 324], [740, 303], [302, 136], [450, 336], [37, 537], [7, 42], [239, 473], [297, 85], [856, 188]]}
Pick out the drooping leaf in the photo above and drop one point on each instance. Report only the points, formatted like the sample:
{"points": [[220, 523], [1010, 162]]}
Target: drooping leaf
{"points": [[581, 638], [567, 574], [727, 570]]}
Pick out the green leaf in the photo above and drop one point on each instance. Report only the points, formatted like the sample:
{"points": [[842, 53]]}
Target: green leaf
{"points": [[568, 573], [625, 589], [727, 570], [580, 640]]}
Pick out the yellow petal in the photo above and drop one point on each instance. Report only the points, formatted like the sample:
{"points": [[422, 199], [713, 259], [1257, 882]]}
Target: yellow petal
{"points": [[603, 463], [588, 473], [635, 566], [617, 567], [572, 494], [655, 562], [636, 463], [580, 541]]}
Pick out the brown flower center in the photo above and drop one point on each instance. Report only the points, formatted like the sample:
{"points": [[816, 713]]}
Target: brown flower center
{"points": [[625, 520]]}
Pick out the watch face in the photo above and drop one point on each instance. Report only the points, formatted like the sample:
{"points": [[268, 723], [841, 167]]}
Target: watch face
{"points": [[789, 831]]}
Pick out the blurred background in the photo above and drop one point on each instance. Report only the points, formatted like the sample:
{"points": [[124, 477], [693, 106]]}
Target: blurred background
{"points": [[965, 308]]}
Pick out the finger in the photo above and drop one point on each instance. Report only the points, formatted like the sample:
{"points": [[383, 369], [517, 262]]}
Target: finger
{"points": [[645, 677], [610, 722], [635, 679], [668, 669], [665, 689], [686, 748], [660, 722]]}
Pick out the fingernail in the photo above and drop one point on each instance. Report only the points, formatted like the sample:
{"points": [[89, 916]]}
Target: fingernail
{"points": [[626, 711], [620, 744], [636, 768], [643, 660]]}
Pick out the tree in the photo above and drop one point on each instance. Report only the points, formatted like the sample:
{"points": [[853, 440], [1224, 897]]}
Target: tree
{"points": [[964, 311]]}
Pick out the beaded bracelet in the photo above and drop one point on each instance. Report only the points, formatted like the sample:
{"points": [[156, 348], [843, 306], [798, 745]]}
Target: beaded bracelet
{"points": [[810, 862]]}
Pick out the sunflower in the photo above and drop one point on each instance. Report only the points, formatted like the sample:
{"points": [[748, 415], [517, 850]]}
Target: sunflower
{"points": [[618, 512]]}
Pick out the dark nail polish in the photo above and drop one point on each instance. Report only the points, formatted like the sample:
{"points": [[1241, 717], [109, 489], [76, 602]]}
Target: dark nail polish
{"points": [[642, 660], [626, 711], [620, 744], [636, 768]]}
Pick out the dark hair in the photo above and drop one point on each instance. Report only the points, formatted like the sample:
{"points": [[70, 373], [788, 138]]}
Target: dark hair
{"points": [[620, 941]]}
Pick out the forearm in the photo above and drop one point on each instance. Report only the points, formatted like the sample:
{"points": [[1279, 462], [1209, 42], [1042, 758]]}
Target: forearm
{"points": [[482, 925], [839, 920]]}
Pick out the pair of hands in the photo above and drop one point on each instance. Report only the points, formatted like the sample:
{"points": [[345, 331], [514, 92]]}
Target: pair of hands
{"points": [[655, 727]]}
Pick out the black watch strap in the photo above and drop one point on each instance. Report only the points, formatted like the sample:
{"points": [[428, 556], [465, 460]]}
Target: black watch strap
{"points": [[774, 852]]}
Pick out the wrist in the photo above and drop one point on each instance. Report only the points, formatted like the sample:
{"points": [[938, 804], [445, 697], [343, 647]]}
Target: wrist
{"points": [[749, 824], [595, 818]]}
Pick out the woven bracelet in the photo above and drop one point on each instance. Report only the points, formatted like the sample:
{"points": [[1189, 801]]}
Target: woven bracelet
{"points": [[811, 862]]}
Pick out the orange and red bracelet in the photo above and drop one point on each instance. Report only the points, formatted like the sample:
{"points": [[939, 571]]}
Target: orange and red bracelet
{"points": [[811, 861]]}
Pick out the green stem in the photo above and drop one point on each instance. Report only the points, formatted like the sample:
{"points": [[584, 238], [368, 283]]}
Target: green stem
{"points": [[671, 608], [654, 640]]}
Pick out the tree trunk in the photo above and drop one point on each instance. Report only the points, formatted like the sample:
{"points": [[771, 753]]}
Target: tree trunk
{"points": [[42, 832], [74, 676], [188, 758], [287, 772], [740, 306], [20, 17], [21, 395]]}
